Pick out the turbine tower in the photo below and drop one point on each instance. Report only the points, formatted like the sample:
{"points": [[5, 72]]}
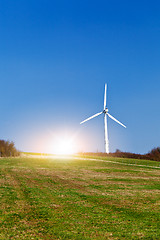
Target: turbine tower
{"points": [[106, 114]]}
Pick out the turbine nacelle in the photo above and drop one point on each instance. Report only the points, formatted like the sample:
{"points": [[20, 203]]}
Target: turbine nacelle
{"points": [[105, 110]]}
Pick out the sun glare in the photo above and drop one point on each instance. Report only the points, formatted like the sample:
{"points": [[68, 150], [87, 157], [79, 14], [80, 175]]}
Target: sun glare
{"points": [[63, 146]]}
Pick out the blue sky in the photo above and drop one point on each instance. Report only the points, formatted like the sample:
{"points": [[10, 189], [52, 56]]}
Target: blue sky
{"points": [[56, 57]]}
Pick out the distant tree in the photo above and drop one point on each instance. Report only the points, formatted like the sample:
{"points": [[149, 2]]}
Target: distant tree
{"points": [[155, 154], [8, 149], [155, 151], [118, 151]]}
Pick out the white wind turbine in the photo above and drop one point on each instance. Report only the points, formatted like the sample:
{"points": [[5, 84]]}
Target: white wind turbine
{"points": [[105, 112]]}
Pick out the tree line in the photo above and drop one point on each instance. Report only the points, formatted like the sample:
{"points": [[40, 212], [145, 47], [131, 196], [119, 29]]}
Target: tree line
{"points": [[154, 154], [8, 149]]}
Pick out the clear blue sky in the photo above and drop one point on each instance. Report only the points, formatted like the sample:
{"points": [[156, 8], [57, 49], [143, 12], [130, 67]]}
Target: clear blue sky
{"points": [[56, 56]]}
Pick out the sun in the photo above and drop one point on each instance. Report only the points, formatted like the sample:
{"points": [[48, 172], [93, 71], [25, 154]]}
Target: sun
{"points": [[63, 145]]}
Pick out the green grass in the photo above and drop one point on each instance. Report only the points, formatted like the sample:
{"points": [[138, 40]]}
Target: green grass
{"points": [[44, 198]]}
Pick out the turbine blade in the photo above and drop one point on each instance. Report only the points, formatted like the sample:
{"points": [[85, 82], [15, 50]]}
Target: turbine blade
{"points": [[95, 115], [105, 91], [116, 120]]}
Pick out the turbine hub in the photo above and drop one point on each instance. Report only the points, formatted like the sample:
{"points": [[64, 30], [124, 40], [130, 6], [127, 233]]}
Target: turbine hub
{"points": [[105, 110]]}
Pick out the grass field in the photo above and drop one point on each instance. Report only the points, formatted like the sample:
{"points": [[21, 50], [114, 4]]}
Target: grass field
{"points": [[45, 198]]}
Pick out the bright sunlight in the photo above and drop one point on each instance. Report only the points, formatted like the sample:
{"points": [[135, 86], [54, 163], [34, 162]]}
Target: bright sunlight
{"points": [[63, 145]]}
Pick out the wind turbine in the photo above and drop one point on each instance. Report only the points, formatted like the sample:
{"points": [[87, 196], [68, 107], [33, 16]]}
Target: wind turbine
{"points": [[105, 112]]}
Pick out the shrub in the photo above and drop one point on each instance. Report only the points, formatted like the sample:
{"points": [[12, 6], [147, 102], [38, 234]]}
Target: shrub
{"points": [[8, 149]]}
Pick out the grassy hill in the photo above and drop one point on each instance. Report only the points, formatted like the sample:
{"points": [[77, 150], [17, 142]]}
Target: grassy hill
{"points": [[70, 198]]}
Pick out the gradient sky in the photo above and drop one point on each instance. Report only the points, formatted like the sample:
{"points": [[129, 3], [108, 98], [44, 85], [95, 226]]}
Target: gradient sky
{"points": [[56, 56]]}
